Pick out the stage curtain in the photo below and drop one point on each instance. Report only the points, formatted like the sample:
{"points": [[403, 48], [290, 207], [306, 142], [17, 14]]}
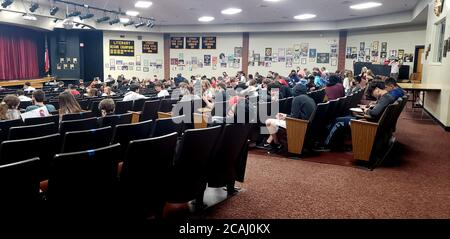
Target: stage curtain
{"points": [[18, 56]]}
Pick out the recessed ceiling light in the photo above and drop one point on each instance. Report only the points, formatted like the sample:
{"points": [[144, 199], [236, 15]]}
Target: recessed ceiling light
{"points": [[29, 17], [206, 19], [305, 16], [124, 20], [366, 5], [132, 13], [231, 11], [143, 4]]}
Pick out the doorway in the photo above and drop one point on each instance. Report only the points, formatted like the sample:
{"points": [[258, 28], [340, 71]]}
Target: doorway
{"points": [[418, 64]]}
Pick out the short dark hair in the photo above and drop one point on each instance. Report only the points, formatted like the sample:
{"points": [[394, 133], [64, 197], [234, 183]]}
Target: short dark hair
{"points": [[39, 96], [391, 81], [372, 86], [27, 83], [134, 87], [108, 105], [20, 92]]}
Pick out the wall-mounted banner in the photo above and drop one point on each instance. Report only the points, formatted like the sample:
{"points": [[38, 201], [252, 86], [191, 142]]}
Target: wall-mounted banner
{"points": [[121, 48], [150, 47], [192, 42], [209, 42], [177, 43]]}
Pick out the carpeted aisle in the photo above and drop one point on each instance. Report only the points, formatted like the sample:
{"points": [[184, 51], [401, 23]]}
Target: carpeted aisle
{"points": [[415, 183]]}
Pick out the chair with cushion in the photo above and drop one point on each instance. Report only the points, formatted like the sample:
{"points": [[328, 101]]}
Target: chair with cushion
{"points": [[122, 107], [19, 150], [150, 110], [78, 116], [84, 182], [94, 107], [167, 126], [189, 175], [113, 120], [19, 182], [5, 125], [138, 105], [87, 140], [42, 120], [32, 131], [25, 104], [78, 125], [144, 177], [125, 133]]}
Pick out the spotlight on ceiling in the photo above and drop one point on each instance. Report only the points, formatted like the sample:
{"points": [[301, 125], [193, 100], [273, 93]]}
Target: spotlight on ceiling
{"points": [[103, 19], [29, 17], [86, 16], [6, 3], [128, 23], [114, 21], [150, 23], [74, 14], [34, 6], [54, 10]]}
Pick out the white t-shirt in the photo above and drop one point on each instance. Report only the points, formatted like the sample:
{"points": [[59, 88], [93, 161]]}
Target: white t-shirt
{"points": [[24, 98], [395, 69], [131, 96], [163, 93]]}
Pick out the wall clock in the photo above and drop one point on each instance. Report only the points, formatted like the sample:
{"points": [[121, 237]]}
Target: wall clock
{"points": [[438, 7]]}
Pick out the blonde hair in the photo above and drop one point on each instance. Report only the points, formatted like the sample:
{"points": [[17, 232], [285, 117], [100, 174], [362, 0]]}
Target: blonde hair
{"points": [[68, 104]]}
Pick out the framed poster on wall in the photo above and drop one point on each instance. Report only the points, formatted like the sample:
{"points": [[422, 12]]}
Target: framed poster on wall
{"points": [[150, 47], [177, 43], [209, 43], [121, 48], [192, 42]]}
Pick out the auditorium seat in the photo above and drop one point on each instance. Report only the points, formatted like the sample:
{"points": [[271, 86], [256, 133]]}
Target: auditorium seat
{"points": [[78, 116], [32, 131], [301, 133], [19, 150], [150, 110], [167, 126], [125, 133], [93, 106], [189, 176], [77, 125], [286, 105], [138, 105], [87, 139], [318, 96], [223, 167], [19, 182], [113, 120], [123, 107], [144, 177], [42, 120], [167, 105], [5, 125], [25, 104], [84, 178], [84, 104]]}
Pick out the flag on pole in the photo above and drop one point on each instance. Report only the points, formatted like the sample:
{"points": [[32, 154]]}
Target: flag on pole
{"points": [[47, 57]]}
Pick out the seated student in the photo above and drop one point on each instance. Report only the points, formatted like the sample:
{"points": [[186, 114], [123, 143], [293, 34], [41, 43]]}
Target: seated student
{"points": [[108, 92], [38, 101], [356, 84], [393, 88], [133, 94], [27, 87], [187, 92], [60, 87], [73, 90], [371, 112], [311, 86], [251, 90], [22, 96], [107, 107], [91, 93], [160, 89], [303, 107], [68, 104], [318, 80], [9, 108], [334, 89]]}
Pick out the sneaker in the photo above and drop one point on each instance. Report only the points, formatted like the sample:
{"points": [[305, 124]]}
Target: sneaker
{"points": [[321, 149], [275, 148]]}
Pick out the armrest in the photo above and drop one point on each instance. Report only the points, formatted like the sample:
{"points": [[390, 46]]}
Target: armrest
{"points": [[363, 138], [162, 115], [201, 120], [296, 132], [136, 116]]}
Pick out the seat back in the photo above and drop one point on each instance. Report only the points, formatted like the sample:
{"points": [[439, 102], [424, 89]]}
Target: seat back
{"points": [[20, 181], [286, 107], [32, 131], [167, 105], [125, 133], [87, 140], [189, 174], [20, 150], [150, 110], [25, 104], [94, 107], [223, 167], [168, 126], [113, 120], [123, 107], [77, 125], [84, 177], [138, 105], [5, 125], [84, 104], [331, 113], [78, 116], [146, 172], [43, 120], [318, 96]]}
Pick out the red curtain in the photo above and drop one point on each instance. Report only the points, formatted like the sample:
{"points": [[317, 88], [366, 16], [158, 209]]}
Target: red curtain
{"points": [[18, 56]]}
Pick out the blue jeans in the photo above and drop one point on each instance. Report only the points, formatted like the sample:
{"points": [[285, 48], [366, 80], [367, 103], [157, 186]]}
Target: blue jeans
{"points": [[341, 122]]}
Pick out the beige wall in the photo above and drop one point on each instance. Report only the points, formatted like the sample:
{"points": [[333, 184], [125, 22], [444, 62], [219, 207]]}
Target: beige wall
{"points": [[438, 73]]}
